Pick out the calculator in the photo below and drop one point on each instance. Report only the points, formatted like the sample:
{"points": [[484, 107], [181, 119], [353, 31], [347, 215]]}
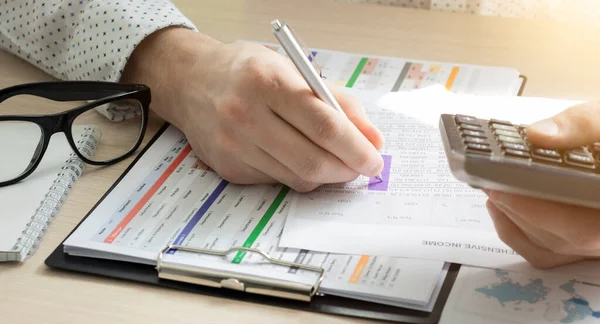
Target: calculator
{"points": [[495, 154]]}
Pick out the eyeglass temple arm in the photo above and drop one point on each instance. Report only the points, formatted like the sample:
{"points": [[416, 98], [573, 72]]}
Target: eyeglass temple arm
{"points": [[67, 91]]}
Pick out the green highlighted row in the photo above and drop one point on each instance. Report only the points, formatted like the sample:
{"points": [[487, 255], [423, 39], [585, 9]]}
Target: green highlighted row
{"points": [[357, 72], [261, 224]]}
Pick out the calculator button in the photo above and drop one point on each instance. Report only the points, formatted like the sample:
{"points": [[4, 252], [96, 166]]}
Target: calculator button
{"points": [[580, 160], [462, 119], [471, 127], [479, 147], [468, 132], [517, 153], [547, 154], [502, 122], [503, 127], [514, 146], [509, 139], [479, 140], [507, 133]]}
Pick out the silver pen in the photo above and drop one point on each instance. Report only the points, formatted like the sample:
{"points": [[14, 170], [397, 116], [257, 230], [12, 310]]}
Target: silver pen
{"points": [[314, 79]]}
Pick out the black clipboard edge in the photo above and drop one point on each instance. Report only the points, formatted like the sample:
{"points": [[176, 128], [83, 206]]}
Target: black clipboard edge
{"points": [[327, 304]]}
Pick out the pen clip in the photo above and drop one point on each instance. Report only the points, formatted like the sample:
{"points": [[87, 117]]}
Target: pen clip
{"points": [[305, 63], [280, 26]]}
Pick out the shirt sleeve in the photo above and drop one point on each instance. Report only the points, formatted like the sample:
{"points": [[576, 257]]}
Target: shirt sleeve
{"points": [[83, 39]]}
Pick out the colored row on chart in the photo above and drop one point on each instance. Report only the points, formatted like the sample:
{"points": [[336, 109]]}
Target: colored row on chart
{"points": [[381, 73], [173, 175]]}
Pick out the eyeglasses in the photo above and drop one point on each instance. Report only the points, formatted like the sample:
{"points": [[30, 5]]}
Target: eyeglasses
{"points": [[95, 138]]}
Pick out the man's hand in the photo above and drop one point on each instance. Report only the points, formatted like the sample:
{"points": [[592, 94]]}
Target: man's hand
{"points": [[250, 115], [550, 234]]}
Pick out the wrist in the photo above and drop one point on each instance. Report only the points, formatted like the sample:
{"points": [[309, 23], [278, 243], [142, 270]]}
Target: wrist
{"points": [[162, 61]]}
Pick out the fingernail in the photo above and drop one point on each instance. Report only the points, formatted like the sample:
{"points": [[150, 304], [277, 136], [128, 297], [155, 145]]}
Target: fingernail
{"points": [[547, 127], [486, 191], [378, 167]]}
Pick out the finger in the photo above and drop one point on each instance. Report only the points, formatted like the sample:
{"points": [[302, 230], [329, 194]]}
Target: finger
{"points": [[304, 158], [510, 234], [355, 111], [323, 125], [538, 236], [576, 126], [261, 160], [579, 226]]}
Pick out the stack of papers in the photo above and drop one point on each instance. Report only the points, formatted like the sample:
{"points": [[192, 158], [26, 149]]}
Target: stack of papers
{"points": [[387, 242], [171, 198], [420, 210]]}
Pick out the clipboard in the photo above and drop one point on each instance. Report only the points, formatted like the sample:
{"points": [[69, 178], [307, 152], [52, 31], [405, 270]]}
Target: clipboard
{"points": [[245, 289]]}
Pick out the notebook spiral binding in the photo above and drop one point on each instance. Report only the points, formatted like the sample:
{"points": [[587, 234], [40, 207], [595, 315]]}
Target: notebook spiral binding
{"points": [[37, 226]]}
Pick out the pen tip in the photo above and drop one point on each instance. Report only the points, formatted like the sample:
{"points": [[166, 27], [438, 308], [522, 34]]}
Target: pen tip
{"points": [[378, 177]]}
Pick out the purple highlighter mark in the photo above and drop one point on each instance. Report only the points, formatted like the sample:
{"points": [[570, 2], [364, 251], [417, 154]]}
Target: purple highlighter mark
{"points": [[375, 184]]}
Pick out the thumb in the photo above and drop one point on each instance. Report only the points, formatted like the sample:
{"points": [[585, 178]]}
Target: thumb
{"points": [[575, 126], [355, 111]]}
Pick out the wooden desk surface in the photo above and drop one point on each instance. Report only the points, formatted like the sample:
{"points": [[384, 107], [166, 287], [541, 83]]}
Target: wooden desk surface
{"points": [[560, 60]]}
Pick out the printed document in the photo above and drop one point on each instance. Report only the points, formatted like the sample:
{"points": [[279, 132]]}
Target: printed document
{"points": [[419, 210], [493, 296], [169, 197], [391, 74]]}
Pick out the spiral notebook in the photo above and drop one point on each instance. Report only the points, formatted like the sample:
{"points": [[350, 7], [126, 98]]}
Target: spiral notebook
{"points": [[29, 206]]}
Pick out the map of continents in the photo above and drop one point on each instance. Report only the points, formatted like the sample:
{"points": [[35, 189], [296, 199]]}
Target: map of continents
{"points": [[574, 309]]}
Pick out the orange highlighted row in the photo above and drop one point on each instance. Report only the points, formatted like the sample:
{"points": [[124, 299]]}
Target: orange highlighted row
{"points": [[115, 233], [370, 66], [358, 270], [452, 77]]}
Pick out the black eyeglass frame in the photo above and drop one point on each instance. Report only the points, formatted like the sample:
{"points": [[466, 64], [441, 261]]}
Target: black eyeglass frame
{"points": [[98, 92]]}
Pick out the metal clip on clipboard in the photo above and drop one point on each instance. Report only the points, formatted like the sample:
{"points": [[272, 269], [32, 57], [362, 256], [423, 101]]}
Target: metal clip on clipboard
{"points": [[241, 282]]}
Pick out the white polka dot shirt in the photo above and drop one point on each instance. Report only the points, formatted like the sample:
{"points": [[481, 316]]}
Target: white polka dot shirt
{"points": [[82, 39]]}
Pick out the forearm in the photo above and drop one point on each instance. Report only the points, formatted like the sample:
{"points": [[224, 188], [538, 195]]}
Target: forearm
{"points": [[161, 61]]}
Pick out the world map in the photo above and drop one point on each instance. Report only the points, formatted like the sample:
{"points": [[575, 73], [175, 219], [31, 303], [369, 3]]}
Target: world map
{"points": [[570, 310]]}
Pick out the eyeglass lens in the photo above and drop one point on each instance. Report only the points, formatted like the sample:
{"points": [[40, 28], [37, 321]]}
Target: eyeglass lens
{"points": [[20, 143], [102, 139]]}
